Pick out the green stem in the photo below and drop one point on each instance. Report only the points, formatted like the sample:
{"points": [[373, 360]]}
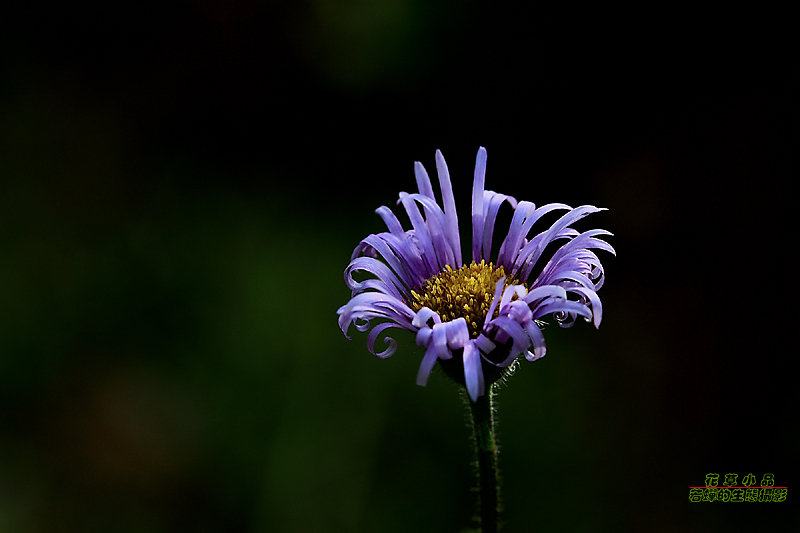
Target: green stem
{"points": [[482, 416]]}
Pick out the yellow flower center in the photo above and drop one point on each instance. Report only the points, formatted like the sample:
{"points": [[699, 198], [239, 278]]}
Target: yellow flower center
{"points": [[467, 292]]}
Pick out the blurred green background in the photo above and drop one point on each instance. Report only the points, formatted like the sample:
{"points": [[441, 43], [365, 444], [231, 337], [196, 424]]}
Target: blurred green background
{"points": [[182, 184]]}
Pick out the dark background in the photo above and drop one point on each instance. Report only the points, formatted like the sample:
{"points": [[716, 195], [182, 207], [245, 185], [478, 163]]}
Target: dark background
{"points": [[182, 184]]}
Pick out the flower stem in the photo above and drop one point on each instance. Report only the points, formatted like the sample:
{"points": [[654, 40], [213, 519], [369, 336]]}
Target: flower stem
{"points": [[482, 416]]}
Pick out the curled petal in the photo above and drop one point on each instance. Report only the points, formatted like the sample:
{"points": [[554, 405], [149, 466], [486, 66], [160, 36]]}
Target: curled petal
{"points": [[519, 311], [392, 284], [518, 242], [515, 331], [537, 338], [373, 336], [528, 258], [597, 276], [457, 333], [422, 317], [564, 306], [393, 256], [424, 336], [484, 344], [439, 341], [576, 252], [570, 275], [594, 300], [547, 291], [361, 324], [509, 293], [365, 306]]}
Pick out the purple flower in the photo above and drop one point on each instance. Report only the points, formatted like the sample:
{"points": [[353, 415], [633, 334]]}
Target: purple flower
{"points": [[481, 316]]}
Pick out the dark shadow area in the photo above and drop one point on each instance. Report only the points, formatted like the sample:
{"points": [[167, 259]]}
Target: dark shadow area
{"points": [[182, 185]]}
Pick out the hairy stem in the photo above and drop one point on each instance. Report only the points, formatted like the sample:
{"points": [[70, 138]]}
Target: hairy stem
{"points": [[482, 417]]}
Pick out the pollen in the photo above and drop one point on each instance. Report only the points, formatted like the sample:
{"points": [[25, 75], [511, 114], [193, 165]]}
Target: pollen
{"points": [[466, 292]]}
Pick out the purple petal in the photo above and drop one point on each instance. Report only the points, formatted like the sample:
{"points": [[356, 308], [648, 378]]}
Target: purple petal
{"points": [[423, 181], [381, 302], [509, 293], [422, 317], [436, 224], [597, 307], [426, 366], [519, 311], [408, 249], [514, 330], [546, 291], [567, 274], [457, 333], [368, 305], [539, 348], [373, 336], [391, 221], [440, 341], [528, 258], [517, 253], [449, 208], [484, 344], [478, 219], [512, 243], [578, 247], [367, 264], [424, 336], [498, 291], [422, 234], [394, 258], [598, 276], [473, 374], [563, 306], [491, 205]]}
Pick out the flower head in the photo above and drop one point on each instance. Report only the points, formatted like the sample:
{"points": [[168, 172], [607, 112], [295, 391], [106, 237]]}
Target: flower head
{"points": [[479, 317]]}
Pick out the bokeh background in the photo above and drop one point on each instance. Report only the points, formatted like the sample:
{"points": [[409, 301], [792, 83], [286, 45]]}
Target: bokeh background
{"points": [[182, 184]]}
